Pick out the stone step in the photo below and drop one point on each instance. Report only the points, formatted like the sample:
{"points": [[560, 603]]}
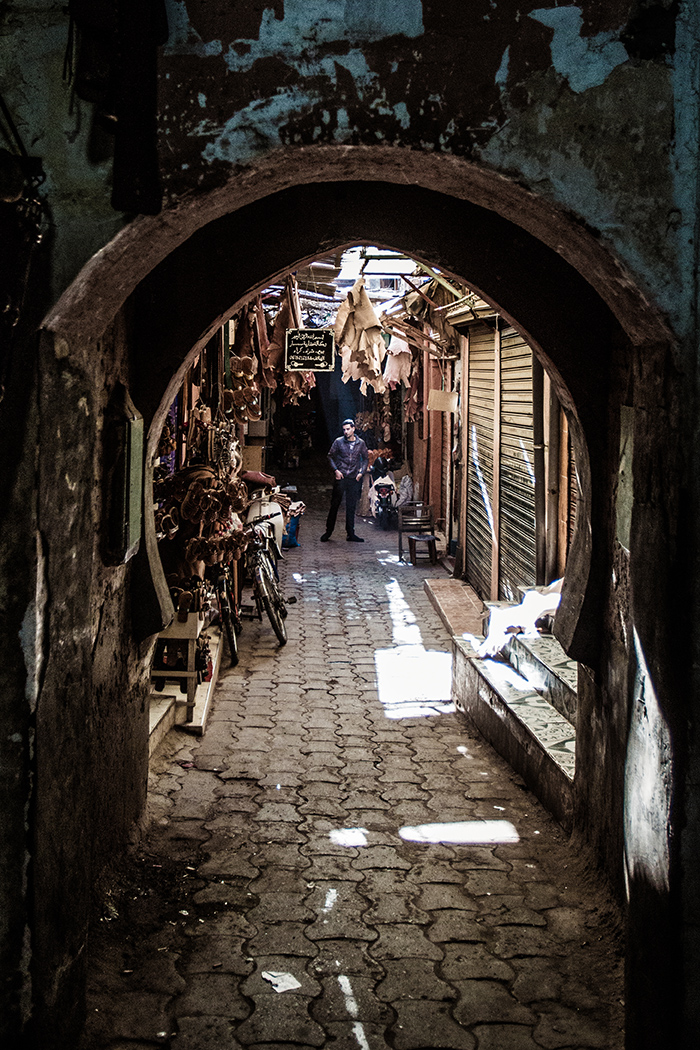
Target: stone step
{"points": [[543, 662], [523, 726]]}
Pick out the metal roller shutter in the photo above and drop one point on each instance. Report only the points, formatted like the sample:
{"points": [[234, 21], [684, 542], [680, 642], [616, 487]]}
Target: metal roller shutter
{"points": [[480, 459], [517, 552]]}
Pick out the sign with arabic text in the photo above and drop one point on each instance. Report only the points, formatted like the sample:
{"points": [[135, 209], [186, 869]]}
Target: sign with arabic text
{"points": [[309, 350]]}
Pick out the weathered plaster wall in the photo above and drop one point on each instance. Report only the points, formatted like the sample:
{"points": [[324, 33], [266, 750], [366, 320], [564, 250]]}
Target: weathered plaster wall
{"points": [[91, 712], [568, 100], [60, 129]]}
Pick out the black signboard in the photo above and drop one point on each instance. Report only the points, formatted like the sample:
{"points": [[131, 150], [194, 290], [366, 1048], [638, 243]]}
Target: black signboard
{"points": [[309, 350]]}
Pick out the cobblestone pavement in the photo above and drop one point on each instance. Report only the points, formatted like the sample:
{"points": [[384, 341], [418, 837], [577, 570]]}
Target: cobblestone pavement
{"points": [[288, 893]]}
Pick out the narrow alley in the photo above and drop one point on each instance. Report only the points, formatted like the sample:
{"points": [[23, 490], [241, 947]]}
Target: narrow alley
{"points": [[340, 861]]}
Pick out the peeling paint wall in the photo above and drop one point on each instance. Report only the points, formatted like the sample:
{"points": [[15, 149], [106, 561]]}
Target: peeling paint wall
{"points": [[564, 99]]}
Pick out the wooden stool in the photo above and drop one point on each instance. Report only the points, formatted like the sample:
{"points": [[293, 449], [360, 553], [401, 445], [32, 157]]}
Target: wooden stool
{"points": [[422, 537]]}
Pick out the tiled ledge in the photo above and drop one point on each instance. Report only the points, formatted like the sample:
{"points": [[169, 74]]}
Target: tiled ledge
{"points": [[543, 662], [537, 741]]}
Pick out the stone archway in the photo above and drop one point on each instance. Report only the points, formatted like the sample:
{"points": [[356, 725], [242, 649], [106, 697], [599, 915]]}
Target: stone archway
{"points": [[184, 272], [543, 271]]}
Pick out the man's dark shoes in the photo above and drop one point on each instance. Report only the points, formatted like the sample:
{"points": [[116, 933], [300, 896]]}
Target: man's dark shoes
{"points": [[355, 539], [325, 538]]}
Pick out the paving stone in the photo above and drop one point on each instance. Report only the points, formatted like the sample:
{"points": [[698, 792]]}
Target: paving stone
{"points": [[453, 925], [236, 788], [205, 1033], [413, 979], [412, 813], [402, 940], [567, 924], [344, 997], [479, 858], [403, 792], [283, 855], [393, 907], [279, 792], [213, 994], [510, 941], [442, 895], [434, 871], [230, 862], [280, 880], [499, 910], [256, 985], [505, 1037], [322, 774], [400, 775], [344, 956], [483, 1001], [323, 806], [428, 1024], [214, 953], [131, 1015], [466, 961], [479, 883], [274, 811], [537, 979], [381, 857], [340, 913], [282, 938], [233, 820], [332, 867], [561, 1027], [349, 1035], [281, 1018], [263, 833], [280, 907], [540, 895], [322, 790]]}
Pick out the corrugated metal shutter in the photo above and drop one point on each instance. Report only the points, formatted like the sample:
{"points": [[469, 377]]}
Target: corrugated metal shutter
{"points": [[517, 478], [446, 467], [480, 459]]}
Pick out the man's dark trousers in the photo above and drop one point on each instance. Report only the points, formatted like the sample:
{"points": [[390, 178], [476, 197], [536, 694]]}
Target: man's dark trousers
{"points": [[350, 488]]}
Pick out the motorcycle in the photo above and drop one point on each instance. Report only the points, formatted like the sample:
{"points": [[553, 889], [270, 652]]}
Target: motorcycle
{"points": [[383, 498]]}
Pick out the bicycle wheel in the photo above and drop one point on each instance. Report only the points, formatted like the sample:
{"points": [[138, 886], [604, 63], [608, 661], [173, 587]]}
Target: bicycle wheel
{"points": [[230, 636], [225, 605], [271, 601]]}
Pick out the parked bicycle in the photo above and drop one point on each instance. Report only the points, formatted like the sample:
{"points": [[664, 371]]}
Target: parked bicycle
{"points": [[260, 559], [229, 616]]}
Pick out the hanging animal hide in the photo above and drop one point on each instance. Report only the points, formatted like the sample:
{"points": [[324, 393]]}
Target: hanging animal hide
{"points": [[359, 338], [397, 368]]}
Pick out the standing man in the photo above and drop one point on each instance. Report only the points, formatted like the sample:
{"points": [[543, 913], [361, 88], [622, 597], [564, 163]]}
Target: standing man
{"points": [[348, 458]]}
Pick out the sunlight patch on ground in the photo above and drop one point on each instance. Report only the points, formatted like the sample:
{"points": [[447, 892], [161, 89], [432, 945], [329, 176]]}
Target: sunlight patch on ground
{"points": [[386, 558], [348, 836], [465, 832], [412, 682], [402, 617]]}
